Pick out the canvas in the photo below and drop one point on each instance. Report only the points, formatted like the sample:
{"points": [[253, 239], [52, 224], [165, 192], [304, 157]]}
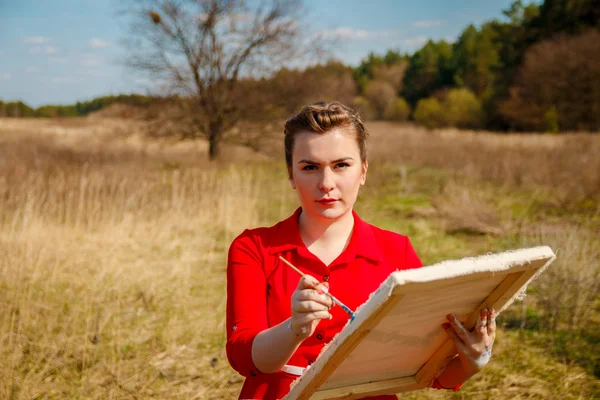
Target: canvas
{"points": [[396, 343]]}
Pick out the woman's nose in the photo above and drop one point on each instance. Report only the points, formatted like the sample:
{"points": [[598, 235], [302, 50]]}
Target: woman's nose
{"points": [[327, 181]]}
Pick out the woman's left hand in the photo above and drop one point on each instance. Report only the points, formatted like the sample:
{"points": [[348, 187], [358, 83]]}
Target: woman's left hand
{"points": [[474, 348]]}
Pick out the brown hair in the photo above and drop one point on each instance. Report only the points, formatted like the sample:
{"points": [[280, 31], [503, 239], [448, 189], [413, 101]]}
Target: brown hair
{"points": [[322, 117]]}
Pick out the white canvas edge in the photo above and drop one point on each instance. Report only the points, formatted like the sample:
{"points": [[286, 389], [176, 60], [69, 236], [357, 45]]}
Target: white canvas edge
{"points": [[443, 270]]}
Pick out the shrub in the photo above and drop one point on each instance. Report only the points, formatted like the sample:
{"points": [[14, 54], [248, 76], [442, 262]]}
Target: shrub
{"points": [[429, 113], [380, 94], [364, 107], [462, 109], [397, 110], [551, 118]]}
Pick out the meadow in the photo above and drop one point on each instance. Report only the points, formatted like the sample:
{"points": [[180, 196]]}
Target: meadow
{"points": [[113, 251]]}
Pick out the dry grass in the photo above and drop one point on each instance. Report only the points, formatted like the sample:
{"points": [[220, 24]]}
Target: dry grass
{"points": [[519, 370], [112, 260], [567, 294], [465, 211], [568, 164], [112, 267], [114, 286]]}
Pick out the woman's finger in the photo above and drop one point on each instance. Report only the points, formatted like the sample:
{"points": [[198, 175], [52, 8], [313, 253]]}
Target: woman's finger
{"points": [[310, 282], [491, 328], [459, 329], [314, 295], [458, 342], [474, 359], [307, 318], [481, 326], [308, 306]]}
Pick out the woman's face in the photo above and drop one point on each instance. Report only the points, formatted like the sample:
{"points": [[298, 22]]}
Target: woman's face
{"points": [[327, 172]]}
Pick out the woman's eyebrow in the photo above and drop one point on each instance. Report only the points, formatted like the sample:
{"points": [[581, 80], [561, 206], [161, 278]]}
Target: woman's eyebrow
{"points": [[304, 161], [342, 160], [308, 162]]}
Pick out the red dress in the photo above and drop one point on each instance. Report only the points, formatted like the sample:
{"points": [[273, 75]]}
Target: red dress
{"points": [[260, 286]]}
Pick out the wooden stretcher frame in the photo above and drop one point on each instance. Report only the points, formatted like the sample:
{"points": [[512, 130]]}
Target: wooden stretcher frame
{"points": [[410, 306]]}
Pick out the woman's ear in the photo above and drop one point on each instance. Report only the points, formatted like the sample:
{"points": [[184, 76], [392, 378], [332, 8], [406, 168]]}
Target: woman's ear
{"points": [[291, 178], [363, 175]]}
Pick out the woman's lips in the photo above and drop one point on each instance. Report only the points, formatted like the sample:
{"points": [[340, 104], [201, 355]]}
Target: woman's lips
{"points": [[327, 201]]}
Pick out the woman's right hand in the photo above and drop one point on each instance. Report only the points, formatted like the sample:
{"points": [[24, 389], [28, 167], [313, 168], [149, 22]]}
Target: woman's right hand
{"points": [[310, 304]]}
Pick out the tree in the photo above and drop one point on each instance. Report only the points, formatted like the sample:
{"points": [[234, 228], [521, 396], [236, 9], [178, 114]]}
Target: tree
{"points": [[380, 94], [373, 65], [462, 109], [202, 48], [564, 16], [364, 107], [476, 59], [392, 74], [17, 109], [511, 39], [397, 110], [429, 69], [382, 80], [289, 89], [558, 86], [364, 72], [429, 113]]}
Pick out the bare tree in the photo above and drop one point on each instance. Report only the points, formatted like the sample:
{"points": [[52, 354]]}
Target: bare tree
{"points": [[201, 49]]}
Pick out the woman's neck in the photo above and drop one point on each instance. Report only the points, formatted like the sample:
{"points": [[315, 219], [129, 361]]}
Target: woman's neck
{"points": [[325, 230]]}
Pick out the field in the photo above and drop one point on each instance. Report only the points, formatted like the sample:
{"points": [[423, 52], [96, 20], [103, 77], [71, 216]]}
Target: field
{"points": [[113, 250]]}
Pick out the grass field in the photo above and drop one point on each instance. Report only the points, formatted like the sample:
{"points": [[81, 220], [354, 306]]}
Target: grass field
{"points": [[113, 250]]}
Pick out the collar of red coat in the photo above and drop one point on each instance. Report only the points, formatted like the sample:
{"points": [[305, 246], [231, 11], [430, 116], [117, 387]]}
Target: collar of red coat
{"points": [[362, 243]]}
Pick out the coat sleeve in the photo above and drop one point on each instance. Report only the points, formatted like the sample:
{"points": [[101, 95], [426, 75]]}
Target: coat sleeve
{"points": [[436, 385], [411, 259], [246, 302]]}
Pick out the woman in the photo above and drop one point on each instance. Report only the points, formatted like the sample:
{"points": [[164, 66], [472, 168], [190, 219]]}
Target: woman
{"points": [[278, 322]]}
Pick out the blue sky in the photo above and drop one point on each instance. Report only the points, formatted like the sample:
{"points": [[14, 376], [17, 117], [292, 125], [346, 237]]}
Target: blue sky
{"points": [[61, 51]]}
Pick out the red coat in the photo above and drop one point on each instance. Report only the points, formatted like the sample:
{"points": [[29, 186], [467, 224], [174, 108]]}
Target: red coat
{"points": [[260, 286]]}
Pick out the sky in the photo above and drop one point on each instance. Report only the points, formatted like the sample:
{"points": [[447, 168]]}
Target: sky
{"points": [[63, 51]]}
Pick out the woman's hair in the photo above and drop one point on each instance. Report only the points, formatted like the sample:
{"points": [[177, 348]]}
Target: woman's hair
{"points": [[322, 117]]}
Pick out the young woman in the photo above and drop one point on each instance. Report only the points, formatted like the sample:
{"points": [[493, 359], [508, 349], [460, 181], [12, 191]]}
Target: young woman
{"points": [[278, 322]]}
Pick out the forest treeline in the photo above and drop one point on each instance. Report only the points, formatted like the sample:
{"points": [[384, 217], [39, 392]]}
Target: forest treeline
{"points": [[79, 109], [536, 69]]}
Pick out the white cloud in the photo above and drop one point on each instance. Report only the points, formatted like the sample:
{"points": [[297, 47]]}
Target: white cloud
{"points": [[65, 80], [99, 43], [51, 50], [90, 72], [36, 39], [6, 76], [351, 34], [57, 60], [415, 41], [36, 50], [90, 60], [428, 24], [142, 81]]}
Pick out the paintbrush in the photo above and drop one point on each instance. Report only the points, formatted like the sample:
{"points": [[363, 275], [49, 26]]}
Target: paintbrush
{"points": [[335, 300]]}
